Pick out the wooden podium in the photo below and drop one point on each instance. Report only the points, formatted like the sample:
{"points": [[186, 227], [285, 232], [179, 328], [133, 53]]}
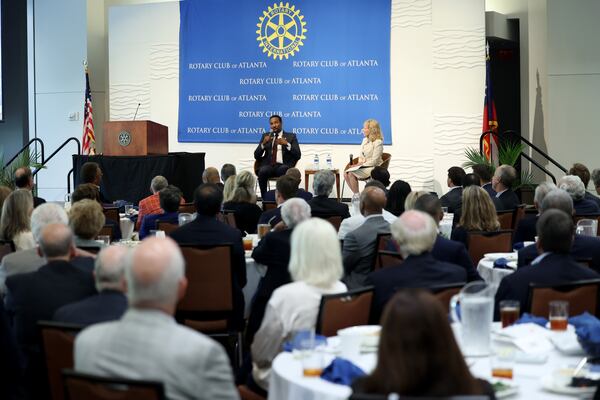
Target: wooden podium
{"points": [[135, 138]]}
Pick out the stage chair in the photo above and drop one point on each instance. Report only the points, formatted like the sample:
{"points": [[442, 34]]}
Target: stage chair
{"points": [[58, 340], [445, 292], [6, 247], [385, 163], [480, 243], [112, 213], [506, 219], [343, 310], [189, 208], [78, 386], [255, 168], [168, 227], [581, 295]]}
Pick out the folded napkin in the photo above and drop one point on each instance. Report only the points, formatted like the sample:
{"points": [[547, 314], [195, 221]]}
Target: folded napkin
{"points": [[294, 344], [529, 318], [342, 372], [518, 246], [501, 263], [587, 329]]}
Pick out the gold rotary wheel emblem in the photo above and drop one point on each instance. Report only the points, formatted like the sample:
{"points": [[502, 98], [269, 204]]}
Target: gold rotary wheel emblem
{"points": [[281, 31]]}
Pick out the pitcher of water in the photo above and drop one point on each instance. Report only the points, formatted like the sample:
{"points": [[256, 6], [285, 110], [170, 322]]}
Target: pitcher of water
{"points": [[587, 227], [476, 315]]}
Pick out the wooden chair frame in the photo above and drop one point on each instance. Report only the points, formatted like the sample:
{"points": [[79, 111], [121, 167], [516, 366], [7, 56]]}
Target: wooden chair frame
{"points": [[560, 292], [110, 385], [352, 296]]}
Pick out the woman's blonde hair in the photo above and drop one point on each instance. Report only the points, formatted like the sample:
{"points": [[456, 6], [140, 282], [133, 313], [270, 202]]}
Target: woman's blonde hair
{"points": [[243, 190], [228, 188], [374, 130], [16, 214], [315, 257], [411, 199], [478, 211], [86, 218]]}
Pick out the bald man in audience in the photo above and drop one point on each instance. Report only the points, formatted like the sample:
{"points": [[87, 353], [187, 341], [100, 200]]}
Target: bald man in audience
{"points": [[110, 303], [414, 233], [211, 175], [147, 343], [360, 245], [24, 180]]}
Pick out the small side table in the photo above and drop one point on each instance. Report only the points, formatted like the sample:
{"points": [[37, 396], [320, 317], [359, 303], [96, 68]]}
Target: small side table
{"points": [[336, 172]]}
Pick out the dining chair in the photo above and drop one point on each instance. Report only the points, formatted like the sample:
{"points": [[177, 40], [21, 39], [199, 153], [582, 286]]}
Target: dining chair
{"points": [[168, 227], [445, 292], [480, 243], [112, 213], [581, 295], [343, 310], [79, 386]]}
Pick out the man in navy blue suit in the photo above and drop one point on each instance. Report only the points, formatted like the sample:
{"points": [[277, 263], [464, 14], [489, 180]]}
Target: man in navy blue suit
{"points": [[207, 230], [553, 266], [582, 247], [453, 198], [485, 172], [414, 233], [286, 188], [574, 186], [110, 303], [526, 231], [584, 174], [502, 181]]}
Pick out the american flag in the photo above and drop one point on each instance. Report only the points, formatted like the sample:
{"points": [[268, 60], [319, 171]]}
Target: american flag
{"points": [[490, 120], [89, 140]]}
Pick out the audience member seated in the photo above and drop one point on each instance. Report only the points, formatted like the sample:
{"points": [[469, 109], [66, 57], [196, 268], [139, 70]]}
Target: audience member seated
{"points": [[24, 180], [583, 173], [86, 220], [411, 199], [227, 170], [286, 188], [526, 231], [147, 343], [444, 249], [35, 296], [502, 181], [229, 188], [151, 204], [414, 233], [583, 247], [554, 265], [485, 173], [360, 245], [322, 205], [170, 198], [295, 174], [110, 303], [572, 184], [596, 180], [211, 175], [397, 196], [382, 175], [418, 356], [4, 192], [90, 191], [478, 214], [91, 173], [11, 368], [207, 230], [243, 203], [470, 180], [453, 198], [273, 251], [350, 224], [316, 267], [15, 222]]}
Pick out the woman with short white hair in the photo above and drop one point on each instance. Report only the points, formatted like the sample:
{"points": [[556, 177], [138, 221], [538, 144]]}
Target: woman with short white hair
{"points": [[316, 269]]}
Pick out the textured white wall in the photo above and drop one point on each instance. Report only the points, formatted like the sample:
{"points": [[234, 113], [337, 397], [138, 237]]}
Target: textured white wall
{"points": [[437, 82]]}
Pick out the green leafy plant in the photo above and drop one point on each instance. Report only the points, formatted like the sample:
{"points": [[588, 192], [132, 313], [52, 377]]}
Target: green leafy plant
{"points": [[25, 159]]}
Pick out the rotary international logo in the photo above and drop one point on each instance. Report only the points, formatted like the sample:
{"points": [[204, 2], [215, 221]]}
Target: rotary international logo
{"points": [[281, 30]]}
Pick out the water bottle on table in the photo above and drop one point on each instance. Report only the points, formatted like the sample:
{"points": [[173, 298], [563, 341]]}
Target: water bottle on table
{"points": [[329, 163], [316, 162]]}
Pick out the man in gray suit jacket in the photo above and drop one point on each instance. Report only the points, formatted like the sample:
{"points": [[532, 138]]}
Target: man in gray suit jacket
{"points": [[360, 244], [147, 343]]}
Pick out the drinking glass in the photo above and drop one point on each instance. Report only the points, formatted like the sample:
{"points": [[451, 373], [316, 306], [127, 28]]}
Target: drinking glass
{"points": [[104, 239], [262, 230], [247, 243], [503, 361], [559, 313], [312, 359], [509, 312], [587, 227]]}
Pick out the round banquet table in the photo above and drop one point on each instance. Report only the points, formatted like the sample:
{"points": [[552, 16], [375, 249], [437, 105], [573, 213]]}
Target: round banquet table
{"points": [[490, 274], [287, 381]]}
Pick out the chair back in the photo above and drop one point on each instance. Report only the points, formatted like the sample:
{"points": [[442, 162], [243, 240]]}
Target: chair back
{"points": [[90, 249], [388, 258], [506, 219], [445, 292], [581, 295], [57, 342], [112, 213], [385, 160], [334, 220], [107, 230], [518, 215], [269, 205], [6, 247], [227, 217], [480, 243], [168, 227], [343, 310], [80, 386], [189, 208], [381, 243]]}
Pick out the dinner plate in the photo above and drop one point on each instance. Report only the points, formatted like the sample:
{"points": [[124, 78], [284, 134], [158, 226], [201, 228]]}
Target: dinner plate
{"points": [[495, 256], [561, 386]]}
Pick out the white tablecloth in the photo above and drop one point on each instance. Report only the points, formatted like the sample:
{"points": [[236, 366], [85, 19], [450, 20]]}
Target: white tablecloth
{"points": [[287, 381], [126, 226], [490, 274]]}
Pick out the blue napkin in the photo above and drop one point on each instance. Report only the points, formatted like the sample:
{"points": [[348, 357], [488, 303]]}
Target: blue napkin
{"points": [[501, 263], [587, 328], [518, 246], [294, 344], [342, 372], [528, 318]]}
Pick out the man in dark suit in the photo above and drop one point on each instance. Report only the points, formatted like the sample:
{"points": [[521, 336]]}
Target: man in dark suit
{"points": [[485, 172], [286, 188], [574, 186], [584, 174], [301, 193], [526, 230], [582, 247], [453, 198], [91, 173], [502, 181], [110, 303], [446, 250], [35, 296], [274, 251], [414, 233], [24, 180], [554, 265], [360, 245], [207, 230], [321, 205], [276, 152]]}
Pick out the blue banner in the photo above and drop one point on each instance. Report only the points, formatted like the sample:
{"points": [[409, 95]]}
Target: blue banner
{"points": [[323, 65]]}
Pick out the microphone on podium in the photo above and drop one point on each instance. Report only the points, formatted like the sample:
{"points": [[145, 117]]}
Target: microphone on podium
{"points": [[136, 111]]}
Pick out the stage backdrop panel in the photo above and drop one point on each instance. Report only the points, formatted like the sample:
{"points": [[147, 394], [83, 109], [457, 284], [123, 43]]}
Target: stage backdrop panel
{"points": [[324, 66]]}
